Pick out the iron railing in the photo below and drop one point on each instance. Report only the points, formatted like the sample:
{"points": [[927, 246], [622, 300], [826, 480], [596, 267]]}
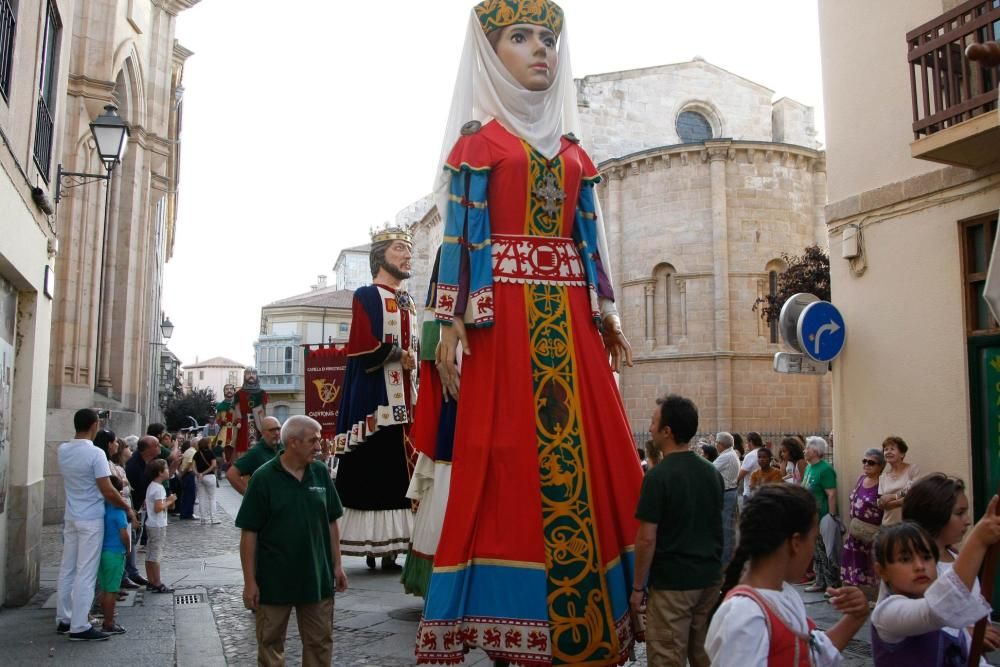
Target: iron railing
{"points": [[945, 86], [8, 22], [43, 139]]}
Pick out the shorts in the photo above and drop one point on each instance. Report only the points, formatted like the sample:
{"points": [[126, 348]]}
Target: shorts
{"points": [[109, 572], [154, 545]]}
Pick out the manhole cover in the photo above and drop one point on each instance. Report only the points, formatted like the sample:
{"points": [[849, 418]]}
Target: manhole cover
{"points": [[189, 598], [407, 614]]}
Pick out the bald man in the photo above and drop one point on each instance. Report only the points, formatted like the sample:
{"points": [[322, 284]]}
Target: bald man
{"points": [[266, 449]]}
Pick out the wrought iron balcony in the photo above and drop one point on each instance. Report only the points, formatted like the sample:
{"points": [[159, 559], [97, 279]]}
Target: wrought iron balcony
{"points": [[955, 117], [8, 23]]}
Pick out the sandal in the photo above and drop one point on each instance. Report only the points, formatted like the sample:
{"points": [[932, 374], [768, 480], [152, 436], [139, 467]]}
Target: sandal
{"points": [[162, 588], [115, 629]]}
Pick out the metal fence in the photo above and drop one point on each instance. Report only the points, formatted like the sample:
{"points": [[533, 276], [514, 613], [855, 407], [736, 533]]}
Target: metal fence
{"points": [[43, 139]]}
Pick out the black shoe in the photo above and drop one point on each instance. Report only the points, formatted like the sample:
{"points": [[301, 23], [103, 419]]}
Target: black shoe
{"points": [[129, 584], [62, 628], [89, 635], [113, 630], [389, 564], [140, 580], [370, 562]]}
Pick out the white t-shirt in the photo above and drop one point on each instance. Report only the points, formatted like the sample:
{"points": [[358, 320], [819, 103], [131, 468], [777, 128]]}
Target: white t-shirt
{"points": [[153, 493], [738, 637], [749, 464], [81, 465]]}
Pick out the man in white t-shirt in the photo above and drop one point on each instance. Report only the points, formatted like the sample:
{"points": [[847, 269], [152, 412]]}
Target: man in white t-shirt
{"points": [[750, 463], [86, 479], [728, 465]]}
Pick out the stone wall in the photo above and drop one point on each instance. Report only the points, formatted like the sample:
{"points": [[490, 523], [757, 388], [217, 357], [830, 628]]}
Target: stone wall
{"points": [[626, 112]]}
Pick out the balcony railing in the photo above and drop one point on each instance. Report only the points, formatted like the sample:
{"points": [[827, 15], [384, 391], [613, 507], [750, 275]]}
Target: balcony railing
{"points": [[43, 139], [8, 22], [946, 87]]}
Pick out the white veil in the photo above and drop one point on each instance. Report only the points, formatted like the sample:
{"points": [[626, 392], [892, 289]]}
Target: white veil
{"points": [[485, 90]]}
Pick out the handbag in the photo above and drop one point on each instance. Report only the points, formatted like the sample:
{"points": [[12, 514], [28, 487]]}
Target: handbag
{"points": [[862, 530]]}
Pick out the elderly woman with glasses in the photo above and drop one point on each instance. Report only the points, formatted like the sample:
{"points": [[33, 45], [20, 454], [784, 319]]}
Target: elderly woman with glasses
{"points": [[857, 568]]}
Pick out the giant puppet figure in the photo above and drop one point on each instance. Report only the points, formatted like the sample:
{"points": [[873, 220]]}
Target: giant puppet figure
{"points": [[376, 409], [248, 411], [225, 419], [536, 555]]}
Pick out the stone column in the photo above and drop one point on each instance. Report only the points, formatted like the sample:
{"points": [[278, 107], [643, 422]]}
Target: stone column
{"points": [[650, 315], [819, 203], [718, 154]]}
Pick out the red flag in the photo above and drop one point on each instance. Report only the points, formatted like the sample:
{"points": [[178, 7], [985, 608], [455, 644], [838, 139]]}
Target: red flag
{"points": [[324, 385]]}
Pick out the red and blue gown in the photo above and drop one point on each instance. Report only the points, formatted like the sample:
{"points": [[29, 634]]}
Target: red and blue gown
{"points": [[375, 413], [536, 555]]}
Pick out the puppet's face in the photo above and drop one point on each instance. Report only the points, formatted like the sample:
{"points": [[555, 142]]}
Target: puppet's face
{"points": [[250, 377], [229, 391], [529, 54], [397, 259]]}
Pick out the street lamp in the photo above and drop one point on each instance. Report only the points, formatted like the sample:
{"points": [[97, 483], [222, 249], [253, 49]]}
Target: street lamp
{"points": [[110, 133], [167, 328]]}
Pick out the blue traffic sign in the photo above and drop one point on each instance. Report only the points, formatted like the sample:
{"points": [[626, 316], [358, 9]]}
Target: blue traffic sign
{"points": [[821, 331]]}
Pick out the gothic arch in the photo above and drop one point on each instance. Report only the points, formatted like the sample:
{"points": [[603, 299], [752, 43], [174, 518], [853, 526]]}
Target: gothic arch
{"points": [[769, 287], [130, 86]]}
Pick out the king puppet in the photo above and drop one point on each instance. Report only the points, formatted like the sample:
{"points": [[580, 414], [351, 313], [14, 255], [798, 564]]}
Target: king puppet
{"points": [[225, 419], [375, 413], [248, 411]]}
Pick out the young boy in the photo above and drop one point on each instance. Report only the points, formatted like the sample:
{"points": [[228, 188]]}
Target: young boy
{"points": [[157, 504], [109, 574]]}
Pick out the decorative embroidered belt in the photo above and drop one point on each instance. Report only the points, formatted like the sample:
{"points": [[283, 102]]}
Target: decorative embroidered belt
{"points": [[537, 260]]}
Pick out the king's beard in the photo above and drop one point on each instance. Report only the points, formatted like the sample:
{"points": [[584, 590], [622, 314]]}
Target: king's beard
{"points": [[395, 271]]}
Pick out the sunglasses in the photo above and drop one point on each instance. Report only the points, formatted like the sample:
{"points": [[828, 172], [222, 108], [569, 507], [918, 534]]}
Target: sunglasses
{"points": [[870, 462]]}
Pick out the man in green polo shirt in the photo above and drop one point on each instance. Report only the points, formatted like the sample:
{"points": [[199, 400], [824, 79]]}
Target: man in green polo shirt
{"points": [[266, 449], [678, 549], [290, 547]]}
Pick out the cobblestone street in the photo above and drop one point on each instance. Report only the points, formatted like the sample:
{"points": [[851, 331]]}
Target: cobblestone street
{"points": [[375, 622]]}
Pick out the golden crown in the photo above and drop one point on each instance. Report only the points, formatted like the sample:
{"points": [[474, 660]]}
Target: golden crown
{"points": [[391, 234], [494, 14]]}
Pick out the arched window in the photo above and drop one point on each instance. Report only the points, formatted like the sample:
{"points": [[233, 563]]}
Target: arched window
{"points": [[281, 413], [661, 305], [693, 127], [774, 268]]}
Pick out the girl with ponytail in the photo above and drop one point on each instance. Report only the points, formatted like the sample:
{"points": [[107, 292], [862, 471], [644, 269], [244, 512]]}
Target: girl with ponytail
{"points": [[762, 620]]}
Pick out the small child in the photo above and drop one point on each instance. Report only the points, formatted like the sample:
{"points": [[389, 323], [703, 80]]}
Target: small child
{"points": [[919, 616], [117, 542], [157, 504], [763, 620], [766, 474]]}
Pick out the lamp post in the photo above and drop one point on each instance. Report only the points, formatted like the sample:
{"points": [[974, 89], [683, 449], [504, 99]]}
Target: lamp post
{"points": [[166, 331], [110, 132]]}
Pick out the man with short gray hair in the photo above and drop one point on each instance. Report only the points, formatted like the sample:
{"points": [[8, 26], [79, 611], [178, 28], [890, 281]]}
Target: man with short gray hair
{"points": [[728, 465], [267, 448], [290, 547]]}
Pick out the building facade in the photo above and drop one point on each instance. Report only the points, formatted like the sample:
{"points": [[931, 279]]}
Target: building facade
{"points": [[914, 188], [105, 331], [351, 270], [35, 39], [706, 184], [213, 374], [321, 316]]}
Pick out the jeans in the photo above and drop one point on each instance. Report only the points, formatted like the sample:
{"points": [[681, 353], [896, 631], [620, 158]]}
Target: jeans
{"points": [[315, 628], [206, 497], [78, 572], [729, 502], [188, 494]]}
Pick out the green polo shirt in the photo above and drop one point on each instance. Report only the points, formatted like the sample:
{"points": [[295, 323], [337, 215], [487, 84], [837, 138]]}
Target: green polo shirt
{"points": [[256, 456], [682, 495], [292, 521]]}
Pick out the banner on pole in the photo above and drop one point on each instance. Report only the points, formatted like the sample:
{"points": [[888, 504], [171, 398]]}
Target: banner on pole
{"points": [[324, 366]]}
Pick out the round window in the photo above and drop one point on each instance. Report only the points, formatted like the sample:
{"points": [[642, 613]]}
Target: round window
{"points": [[693, 128]]}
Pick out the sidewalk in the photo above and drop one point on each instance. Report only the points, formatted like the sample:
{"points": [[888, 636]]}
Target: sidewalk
{"points": [[205, 624]]}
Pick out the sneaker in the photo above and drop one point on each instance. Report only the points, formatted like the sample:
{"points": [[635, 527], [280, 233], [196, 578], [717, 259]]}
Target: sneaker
{"points": [[115, 629], [62, 628], [89, 635]]}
